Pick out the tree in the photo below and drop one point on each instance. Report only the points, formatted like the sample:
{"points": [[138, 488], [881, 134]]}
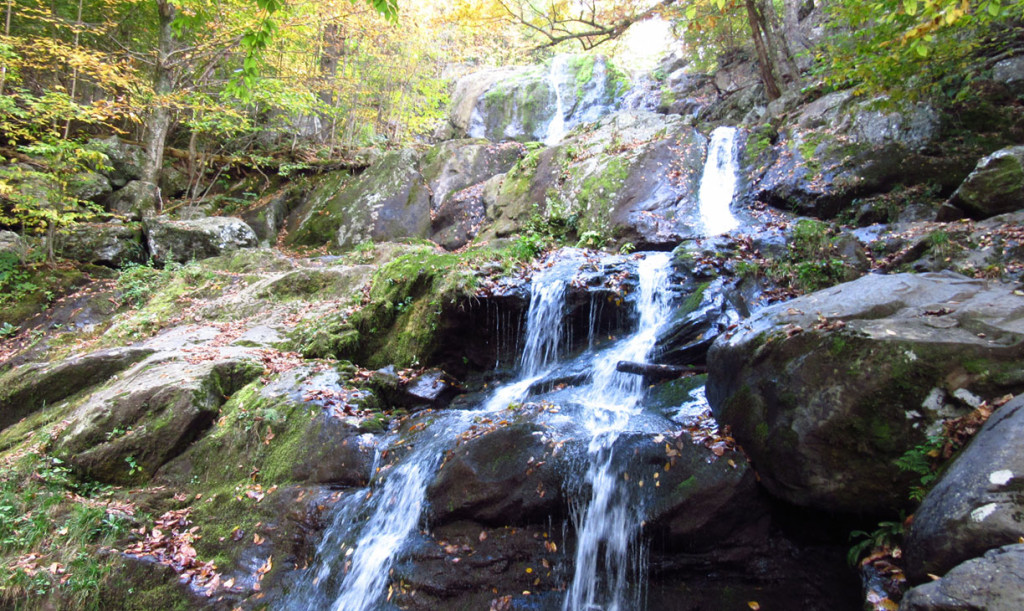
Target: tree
{"points": [[594, 23]]}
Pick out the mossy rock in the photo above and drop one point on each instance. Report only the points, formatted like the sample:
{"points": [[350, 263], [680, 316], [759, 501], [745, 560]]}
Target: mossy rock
{"points": [[127, 430], [826, 391], [386, 202]]}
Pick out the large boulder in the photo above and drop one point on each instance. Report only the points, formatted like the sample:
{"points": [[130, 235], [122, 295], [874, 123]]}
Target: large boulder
{"points": [[30, 387], [102, 244], [842, 147], [135, 200], [127, 430], [182, 241], [455, 172], [826, 391], [89, 186], [390, 200], [995, 186], [124, 160], [994, 582], [633, 177], [510, 474], [977, 504], [12, 243]]}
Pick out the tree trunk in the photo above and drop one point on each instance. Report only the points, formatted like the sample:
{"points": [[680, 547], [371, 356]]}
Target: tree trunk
{"points": [[7, 32], [766, 63], [163, 84]]}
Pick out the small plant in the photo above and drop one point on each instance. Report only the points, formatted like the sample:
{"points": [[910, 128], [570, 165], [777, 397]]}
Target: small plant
{"points": [[133, 465], [922, 460], [8, 330], [886, 536]]}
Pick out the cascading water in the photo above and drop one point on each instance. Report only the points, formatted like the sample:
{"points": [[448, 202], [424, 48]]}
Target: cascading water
{"points": [[718, 183], [607, 528], [371, 526], [555, 78]]}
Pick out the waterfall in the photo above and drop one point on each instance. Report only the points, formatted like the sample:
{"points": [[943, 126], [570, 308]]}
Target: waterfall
{"points": [[555, 77], [370, 527], [718, 183], [607, 528]]}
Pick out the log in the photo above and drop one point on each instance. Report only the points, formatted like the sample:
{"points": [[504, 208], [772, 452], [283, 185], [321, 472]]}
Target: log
{"points": [[658, 373]]}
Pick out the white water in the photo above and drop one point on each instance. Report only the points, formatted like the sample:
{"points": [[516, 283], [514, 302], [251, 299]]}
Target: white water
{"points": [[382, 518], [370, 526], [607, 528], [718, 183], [555, 77]]}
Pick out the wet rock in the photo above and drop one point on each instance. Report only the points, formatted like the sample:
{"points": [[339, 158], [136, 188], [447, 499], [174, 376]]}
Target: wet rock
{"points": [[135, 200], [701, 501], [108, 244], [126, 431], [976, 504], [632, 178], [390, 200], [824, 392], [183, 241], [467, 565], [30, 387], [995, 186], [520, 104], [994, 581], [509, 474]]}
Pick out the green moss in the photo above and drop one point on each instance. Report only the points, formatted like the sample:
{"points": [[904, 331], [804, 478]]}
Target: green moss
{"points": [[687, 484], [598, 194], [761, 431]]}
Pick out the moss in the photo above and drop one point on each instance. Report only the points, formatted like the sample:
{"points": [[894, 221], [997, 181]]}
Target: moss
{"points": [[598, 194], [687, 484], [583, 67]]}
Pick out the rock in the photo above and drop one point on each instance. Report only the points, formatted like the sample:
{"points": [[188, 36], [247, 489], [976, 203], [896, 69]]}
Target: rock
{"points": [[842, 148], [976, 504], [633, 178], [995, 186], [102, 244], [455, 173], [124, 160], [89, 186], [25, 389], [703, 501], [11, 243], [1010, 72], [126, 431], [386, 202], [434, 388], [520, 104], [135, 200], [508, 475], [173, 182], [267, 219], [464, 99], [824, 392], [994, 582], [183, 241], [300, 417]]}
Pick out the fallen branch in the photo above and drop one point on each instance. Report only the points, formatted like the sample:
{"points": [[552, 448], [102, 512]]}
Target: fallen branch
{"points": [[658, 373]]}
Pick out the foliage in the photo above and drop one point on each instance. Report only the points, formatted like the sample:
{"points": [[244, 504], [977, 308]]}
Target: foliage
{"points": [[51, 527], [915, 48], [923, 460], [886, 536]]}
